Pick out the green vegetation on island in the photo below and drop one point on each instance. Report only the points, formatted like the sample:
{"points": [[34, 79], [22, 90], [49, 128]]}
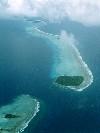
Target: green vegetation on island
{"points": [[69, 80]]}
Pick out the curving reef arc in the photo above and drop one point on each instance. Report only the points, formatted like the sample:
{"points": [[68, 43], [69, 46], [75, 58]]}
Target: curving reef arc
{"points": [[69, 70]]}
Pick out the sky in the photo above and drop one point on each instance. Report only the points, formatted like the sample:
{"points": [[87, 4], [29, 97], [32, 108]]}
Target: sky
{"points": [[86, 12]]}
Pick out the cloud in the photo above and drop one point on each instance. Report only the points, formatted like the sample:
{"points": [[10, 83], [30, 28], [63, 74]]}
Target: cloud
{"points": [[82, 11]]}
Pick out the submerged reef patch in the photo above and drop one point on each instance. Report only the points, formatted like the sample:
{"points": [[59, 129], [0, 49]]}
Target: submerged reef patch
{"points": [[15, 117]]}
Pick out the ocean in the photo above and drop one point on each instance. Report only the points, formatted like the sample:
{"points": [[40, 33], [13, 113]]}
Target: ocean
{"points": [[25, 67]]}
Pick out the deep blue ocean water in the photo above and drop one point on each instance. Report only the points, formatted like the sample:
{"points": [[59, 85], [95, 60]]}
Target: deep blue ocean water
{"points": [[25, 67]]}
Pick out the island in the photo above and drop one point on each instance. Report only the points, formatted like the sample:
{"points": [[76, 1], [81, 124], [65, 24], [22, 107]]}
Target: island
{"points": [[67, 60], [69, 80], [15, 117]]}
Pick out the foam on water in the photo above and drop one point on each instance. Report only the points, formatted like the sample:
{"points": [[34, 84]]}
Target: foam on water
{"points": [[67, 60]]}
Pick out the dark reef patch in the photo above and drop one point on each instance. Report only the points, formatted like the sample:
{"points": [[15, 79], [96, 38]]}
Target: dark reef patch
{"points": [[9, 116]]}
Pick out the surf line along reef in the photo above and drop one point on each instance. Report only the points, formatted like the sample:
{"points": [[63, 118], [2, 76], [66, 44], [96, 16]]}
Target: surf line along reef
{"points": [[69, 70]]}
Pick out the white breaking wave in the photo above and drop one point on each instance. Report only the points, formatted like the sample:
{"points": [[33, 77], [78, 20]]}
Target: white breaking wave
{"points": [[82, 11]]}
